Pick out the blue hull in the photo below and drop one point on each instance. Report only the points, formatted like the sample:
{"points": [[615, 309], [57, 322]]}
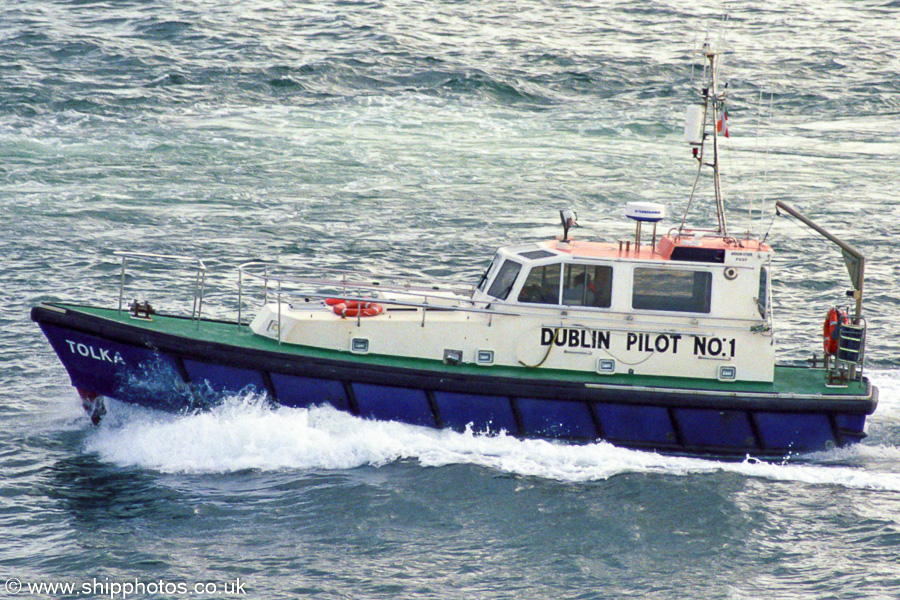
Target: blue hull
{"points": [[167, 372]]}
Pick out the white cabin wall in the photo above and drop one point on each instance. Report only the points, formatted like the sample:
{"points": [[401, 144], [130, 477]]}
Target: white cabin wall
{"points": [[644, 345]]}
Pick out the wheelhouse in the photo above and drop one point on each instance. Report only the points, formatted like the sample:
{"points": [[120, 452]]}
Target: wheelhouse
{"points": [[698, 278]]}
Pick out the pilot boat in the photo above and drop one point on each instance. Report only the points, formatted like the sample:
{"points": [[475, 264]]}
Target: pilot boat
{"points": [[658, 342]]}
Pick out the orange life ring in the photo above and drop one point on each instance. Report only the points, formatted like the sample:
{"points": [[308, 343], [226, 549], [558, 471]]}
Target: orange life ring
{"points": [[832, 329], [354, 308]]}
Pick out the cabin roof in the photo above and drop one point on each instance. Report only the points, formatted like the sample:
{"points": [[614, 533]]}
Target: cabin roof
{"points": [[686, 247]]}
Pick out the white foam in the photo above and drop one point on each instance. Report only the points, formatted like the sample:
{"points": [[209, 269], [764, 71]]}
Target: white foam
{"points": [[245, 433], [888, 383]]}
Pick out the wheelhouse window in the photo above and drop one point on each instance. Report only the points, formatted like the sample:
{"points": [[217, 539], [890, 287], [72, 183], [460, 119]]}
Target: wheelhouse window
{"points": [[504, 280], [587, 285], [677, 291], [582, 285], [541, 286], [487, 274]]}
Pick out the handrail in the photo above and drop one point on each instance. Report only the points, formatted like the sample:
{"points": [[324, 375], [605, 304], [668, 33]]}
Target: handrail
{"points": [[359, 282], [419, 288], [199, 279]]}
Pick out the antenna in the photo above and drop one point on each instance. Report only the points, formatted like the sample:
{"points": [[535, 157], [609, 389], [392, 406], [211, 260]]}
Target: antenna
{"points": [[569, 219]]}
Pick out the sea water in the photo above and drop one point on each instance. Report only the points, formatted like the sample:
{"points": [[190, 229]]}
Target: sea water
{"points": [[414, 138]]}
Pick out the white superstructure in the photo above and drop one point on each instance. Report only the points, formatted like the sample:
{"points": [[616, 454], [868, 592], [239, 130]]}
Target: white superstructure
{"points": [[690, 306]]}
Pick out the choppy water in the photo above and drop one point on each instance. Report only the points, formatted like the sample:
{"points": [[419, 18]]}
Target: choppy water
{"points": [[418, 136]]}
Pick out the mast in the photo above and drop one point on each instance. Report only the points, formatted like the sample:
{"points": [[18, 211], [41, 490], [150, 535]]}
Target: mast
{"points": [[698, 120]]}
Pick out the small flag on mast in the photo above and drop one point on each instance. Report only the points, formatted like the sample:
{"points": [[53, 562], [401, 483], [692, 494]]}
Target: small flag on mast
{"points": [[722, 121]]}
